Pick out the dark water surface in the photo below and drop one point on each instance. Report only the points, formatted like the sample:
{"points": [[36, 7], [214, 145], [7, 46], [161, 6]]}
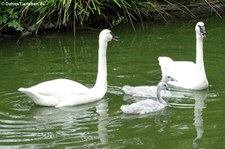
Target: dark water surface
{"points": [[195, 121]]}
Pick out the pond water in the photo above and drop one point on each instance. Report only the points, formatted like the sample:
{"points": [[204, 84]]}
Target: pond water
{"points": [[193, 121]]}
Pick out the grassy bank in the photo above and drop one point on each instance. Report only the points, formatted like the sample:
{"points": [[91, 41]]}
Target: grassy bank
{"points": [[31, 16]]}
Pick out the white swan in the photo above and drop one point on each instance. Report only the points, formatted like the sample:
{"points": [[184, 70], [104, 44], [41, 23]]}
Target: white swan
{"points": [[145, 91], [189, 75], [64, 92], [148, 105]]}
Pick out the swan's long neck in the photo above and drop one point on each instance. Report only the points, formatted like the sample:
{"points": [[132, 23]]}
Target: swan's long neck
{"points": [[101, 81], [159, 97], [199, 53]]}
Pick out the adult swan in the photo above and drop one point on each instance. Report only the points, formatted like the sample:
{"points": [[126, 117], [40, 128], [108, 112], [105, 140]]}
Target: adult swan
{"points": [[64, 92], [189, 75]]}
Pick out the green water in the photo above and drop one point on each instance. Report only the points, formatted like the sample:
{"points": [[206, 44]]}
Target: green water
{"points": [[197, 121]]}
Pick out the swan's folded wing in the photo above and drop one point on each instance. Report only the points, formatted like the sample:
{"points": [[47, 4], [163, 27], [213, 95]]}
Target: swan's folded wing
{"points": [[145, 91], [142, 107], [59, 87], [179, 70]]}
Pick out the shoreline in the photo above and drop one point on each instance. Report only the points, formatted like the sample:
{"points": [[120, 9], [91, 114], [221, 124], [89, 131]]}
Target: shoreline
{"points": [[162, 13]]}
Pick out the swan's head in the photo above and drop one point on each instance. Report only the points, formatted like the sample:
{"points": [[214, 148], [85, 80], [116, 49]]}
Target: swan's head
{"points": [[166, 78], [200, 29], [162, 86], [106, 35]]}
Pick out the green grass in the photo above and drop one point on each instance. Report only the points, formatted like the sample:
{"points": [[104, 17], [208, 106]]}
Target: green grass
{"points": [[83, 13]]}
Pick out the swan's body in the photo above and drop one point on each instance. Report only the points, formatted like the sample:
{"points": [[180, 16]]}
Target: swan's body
{"points": [[146, 91], [148, 105], [189, 75], [64, 92]]}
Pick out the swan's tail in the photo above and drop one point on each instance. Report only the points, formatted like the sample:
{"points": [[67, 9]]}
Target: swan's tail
{"points": [[22, 89], [127, 109], [127, 89], [164, 63], [26, 91]]}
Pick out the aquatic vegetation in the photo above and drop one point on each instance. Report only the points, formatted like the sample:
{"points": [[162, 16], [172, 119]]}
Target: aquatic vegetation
{"points": [[32, 15]]}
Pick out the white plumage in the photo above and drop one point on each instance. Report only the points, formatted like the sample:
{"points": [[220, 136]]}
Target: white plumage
{"points": [[189, 75], [148, 105], [64, 92], [146, 91]]}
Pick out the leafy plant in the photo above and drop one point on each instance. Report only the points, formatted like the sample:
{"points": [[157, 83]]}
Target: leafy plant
{"points": [[10, 18], [82, 13]]}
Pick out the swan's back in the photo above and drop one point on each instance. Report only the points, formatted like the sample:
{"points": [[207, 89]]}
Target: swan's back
{"points": [[58, 86], [148, 91], [179, 70], [51, 93], [185, 72], [142, 107]]}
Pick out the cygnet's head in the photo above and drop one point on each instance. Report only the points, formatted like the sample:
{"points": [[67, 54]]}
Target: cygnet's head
{"points": [[200, 29], [162, 86], [166, 78], [106, 35]]}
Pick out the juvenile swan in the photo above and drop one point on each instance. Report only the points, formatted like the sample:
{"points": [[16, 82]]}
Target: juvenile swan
{"points": [[148, 105], [64, 92], [189, 75], [145, 91]]}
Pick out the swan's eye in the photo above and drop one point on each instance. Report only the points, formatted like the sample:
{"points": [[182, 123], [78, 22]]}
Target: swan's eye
{"points": [[112, 34]]}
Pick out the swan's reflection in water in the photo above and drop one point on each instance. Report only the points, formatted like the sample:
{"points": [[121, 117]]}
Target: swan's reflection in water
{"points": [[199, 96], [102, 110], [76, 123]]}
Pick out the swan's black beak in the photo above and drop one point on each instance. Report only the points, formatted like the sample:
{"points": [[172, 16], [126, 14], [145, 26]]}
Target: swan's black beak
{"points": [[202, 30], [114, 37], [204, 34]]}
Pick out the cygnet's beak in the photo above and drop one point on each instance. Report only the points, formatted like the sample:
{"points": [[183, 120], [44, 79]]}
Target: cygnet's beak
{"points": [[173, 80], [167, 88]]}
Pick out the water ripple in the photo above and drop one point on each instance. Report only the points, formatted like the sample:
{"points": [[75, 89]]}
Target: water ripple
{"points": [[25, 123]]}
